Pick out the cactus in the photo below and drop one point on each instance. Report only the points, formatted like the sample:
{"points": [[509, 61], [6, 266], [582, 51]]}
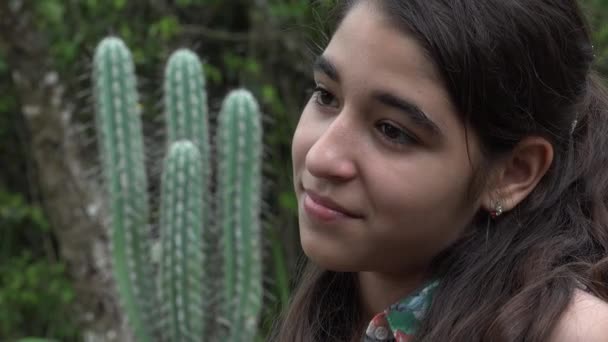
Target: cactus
{"points": [[182, 258], [240, 150], [209, 250], [186, 100], [187, 118], [119, 127]]}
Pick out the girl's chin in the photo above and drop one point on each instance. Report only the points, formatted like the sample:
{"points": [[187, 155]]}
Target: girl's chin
{"points": [[336, 268], [330, 261], [327, 252]]}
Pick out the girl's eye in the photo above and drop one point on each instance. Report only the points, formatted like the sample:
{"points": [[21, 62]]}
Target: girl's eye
{"points": [[324, 97], [394, 134]]}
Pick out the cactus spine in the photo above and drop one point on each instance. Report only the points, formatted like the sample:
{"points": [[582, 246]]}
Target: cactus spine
{"points": [[240, 150], [121, 144], [194, 271]]}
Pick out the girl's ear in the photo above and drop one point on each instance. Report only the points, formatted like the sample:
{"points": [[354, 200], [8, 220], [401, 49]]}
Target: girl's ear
{"points": [[518, 174]]}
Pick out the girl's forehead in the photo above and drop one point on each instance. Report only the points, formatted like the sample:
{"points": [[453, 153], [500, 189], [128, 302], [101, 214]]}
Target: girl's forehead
{"points": [[366, 39]]}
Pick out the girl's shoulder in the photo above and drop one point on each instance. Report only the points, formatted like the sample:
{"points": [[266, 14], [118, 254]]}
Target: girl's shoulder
{"points": [[585, 319]]}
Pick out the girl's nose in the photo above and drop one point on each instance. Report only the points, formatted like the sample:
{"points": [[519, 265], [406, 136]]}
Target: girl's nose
{"points": [[333, 154]]}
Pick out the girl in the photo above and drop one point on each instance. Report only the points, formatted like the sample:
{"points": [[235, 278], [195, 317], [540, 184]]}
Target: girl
{"points": [[451, 171]]}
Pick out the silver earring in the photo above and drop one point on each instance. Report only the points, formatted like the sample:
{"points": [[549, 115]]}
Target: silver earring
{"points": [[498, 210]]}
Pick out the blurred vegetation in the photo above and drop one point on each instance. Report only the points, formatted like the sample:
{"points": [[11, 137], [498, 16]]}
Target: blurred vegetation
{"points": [[597, 12], [265, 46], [35, 293]]}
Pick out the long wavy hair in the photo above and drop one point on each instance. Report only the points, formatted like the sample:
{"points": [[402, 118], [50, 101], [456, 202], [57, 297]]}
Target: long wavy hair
{"points": [[513, 68]]}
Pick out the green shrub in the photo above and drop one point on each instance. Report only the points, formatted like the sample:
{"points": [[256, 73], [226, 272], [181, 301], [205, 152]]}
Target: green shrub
{"points": [[35, 292]]}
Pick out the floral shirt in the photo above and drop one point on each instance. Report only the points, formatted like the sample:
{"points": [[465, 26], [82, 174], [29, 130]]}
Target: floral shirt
{"points": [[400, 321]]}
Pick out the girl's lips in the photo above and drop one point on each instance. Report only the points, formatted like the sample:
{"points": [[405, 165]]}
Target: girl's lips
{"points": [[323, 208]]}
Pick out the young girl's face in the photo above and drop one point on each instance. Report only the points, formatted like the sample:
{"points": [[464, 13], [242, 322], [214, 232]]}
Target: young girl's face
{"points": [[380, 160]]}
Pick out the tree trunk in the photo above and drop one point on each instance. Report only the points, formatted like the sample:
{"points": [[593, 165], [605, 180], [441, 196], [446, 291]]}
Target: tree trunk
{"points": [[71, 202]]}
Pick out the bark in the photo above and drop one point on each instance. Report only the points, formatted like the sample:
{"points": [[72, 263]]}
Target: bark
{"points": [[71, 202]]}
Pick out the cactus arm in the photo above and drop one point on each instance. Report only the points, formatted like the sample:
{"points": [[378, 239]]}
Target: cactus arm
{"points": [[121, 141], [186, 100], [181, 269], [227, 179], [250, 265], [240, 150]]}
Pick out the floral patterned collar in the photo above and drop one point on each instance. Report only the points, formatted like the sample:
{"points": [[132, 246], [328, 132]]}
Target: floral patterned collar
{"points": [[400, 321]]}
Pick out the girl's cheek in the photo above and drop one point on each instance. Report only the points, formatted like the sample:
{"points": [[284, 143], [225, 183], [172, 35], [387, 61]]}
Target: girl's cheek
{"points": [[297, 148], [300, 146], [304, 138]]}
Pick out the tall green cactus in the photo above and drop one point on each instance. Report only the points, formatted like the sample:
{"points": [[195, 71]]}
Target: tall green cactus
{"points": [[121, 144], [240, 152], [210, 250]]}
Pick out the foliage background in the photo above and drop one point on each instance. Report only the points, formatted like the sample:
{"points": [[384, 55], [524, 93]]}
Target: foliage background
{"points": [[264, 45]]}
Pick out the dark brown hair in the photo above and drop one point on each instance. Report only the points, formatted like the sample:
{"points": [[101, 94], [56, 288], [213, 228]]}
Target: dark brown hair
{"points": [[513, 69]]}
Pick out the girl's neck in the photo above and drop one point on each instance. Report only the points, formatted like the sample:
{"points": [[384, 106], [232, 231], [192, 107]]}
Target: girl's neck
{"points": [[377, 290]]}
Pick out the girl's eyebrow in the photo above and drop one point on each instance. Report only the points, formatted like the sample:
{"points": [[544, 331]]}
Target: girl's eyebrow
{"points": [[411, 110], [322, 64]]}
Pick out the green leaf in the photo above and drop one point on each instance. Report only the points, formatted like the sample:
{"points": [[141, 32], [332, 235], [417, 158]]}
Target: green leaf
{"points": [[252, 66], [213, 74], [269, 93], [166, 28], [119, 4], [65, 51], [287, 200], [51, 10]]}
